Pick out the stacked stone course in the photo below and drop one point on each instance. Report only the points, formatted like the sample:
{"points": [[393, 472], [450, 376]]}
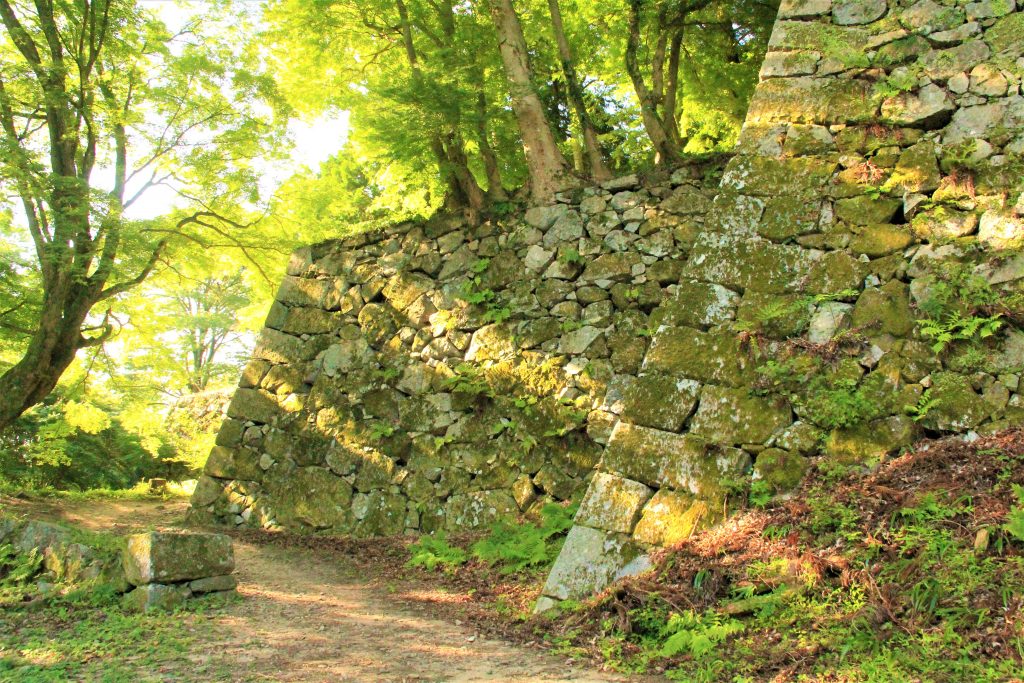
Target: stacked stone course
{"points": [[882, 149], [439, 375], [881, 158]]}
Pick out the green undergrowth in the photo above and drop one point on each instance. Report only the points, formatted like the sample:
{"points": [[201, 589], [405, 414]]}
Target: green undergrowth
{"points": [[56, 629], [911, 572], [509, 547]]}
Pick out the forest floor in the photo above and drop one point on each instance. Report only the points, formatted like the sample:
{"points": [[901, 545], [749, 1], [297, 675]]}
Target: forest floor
{"points": [[308, 611]]}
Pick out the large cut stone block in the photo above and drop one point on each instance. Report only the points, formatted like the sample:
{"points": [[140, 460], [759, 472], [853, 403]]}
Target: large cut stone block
{"points": [[255, 405], [660, 401], [823, 101], [702, 356], [613, 503], [161, 557], [745, 263], [733, 416], [700, 303], [156, 596], [590, 560], [313, 497], [671, 517], [681, 461]]}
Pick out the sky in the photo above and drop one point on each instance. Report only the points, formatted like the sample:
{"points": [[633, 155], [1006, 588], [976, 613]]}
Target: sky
{"points": [[314, 141]]}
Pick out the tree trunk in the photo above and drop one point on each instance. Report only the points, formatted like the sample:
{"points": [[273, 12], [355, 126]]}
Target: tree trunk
{"points": [[495, 188], [548, 167], [672, 91], [665, 151], [598, 169], [50, 351]]}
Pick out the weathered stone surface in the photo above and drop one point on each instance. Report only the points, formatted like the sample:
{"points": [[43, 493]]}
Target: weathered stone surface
{"points": [[885, 310], [749, 264], [829, 318], [660, 401], [161, 557], [155, 596], [959, 407], [872, 440], [866, 210], [683, 462], [852, 12], [700, 304], [612, 503], [1001, 229], [214, 584], [929, 108], [590, 560], [780, 470], [733, 416], [807, 99], [703, 356], [479, 509], [312, 497], [671, 517]]}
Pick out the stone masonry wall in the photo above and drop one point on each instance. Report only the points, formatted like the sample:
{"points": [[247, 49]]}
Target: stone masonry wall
{"points": [[877, 183], [439, 375]]}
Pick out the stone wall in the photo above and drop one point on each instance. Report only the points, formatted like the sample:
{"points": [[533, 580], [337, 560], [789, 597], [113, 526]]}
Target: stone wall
{"points": [[877, 183], [439, 375]]}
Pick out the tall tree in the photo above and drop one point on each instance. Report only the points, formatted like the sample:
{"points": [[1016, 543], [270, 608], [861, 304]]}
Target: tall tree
{"points": [[591, 145], [96, 85], [548, 168]]}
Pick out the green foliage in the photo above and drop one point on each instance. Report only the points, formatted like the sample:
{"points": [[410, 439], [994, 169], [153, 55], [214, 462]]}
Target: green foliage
{"points": [[469, 379], [697, 634], [517, 547], [839, 403], [919, 411], [90, 448], [1015, 518], [431, 552], [955, 327]]}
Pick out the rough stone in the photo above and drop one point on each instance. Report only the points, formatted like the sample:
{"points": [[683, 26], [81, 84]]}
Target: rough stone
{"points": [[733, 416], [612, 503], [590, 560], [161, 557]]}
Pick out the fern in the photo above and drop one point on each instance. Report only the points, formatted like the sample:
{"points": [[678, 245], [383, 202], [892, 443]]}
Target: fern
{"points": [[696, 634], [431, 552], [1015, 519], [956, 327], [516, 547]]}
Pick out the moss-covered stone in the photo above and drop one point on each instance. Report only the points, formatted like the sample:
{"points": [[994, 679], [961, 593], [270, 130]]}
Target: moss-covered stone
{"points": [[671, 517], [881, 240], [660, 401], [478, 509], [867, 210], [778, 316], [379, 513], [959, 407], [871, 440], [590, 560], [311, 497], [703, 356], [163, 557], [781, 471], [612, 503], [885, 310], [733, 416], [788, 216], [806, 99], [699, 304]]}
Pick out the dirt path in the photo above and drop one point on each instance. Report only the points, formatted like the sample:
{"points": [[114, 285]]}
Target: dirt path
{"points": [[303, 618]]}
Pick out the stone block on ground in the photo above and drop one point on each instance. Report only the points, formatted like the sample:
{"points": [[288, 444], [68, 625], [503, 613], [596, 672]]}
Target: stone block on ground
{"points": [[164, 557], [156, 596], [590, 560]]}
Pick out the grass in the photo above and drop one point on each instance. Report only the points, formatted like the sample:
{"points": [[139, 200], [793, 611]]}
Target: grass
{"points": [[92, 639], [55, 630], [863, 576]]}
